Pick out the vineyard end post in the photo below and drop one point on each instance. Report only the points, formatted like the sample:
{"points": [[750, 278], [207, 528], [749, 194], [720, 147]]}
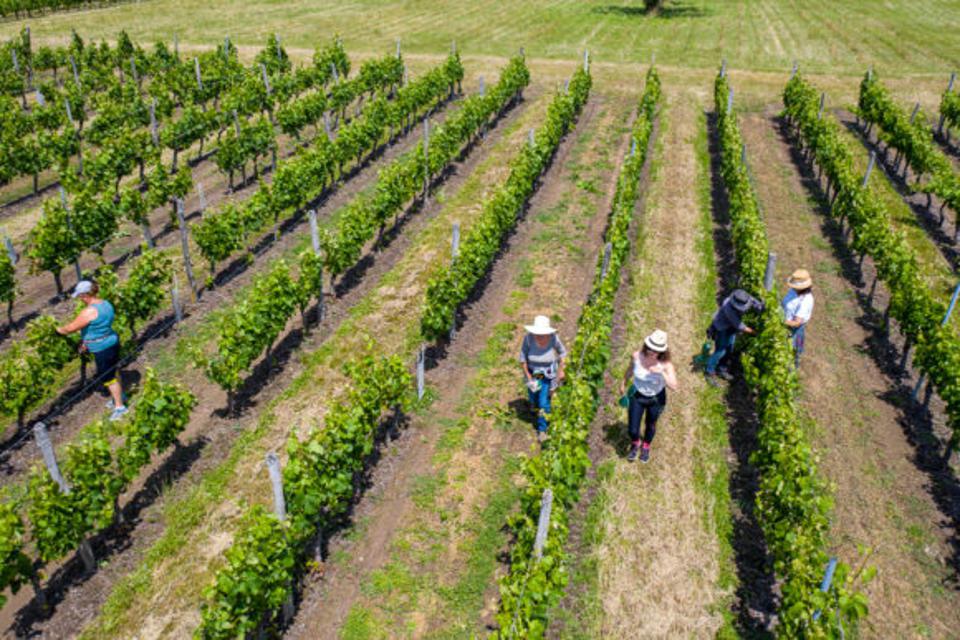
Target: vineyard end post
{"points": [[177, 306], [866, 175], [315, 243], [543, 524], [605, 265], [421, 358], [42, 439], [11, 251], [953, 77], [770, 270], [280, 509], [185, 249]]}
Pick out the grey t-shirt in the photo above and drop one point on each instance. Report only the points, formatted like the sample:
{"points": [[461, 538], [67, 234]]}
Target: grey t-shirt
{"points": [[542, 360]]}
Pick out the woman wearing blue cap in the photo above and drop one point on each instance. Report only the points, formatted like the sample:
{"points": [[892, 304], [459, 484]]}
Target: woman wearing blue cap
{"points": [[95, 324]]}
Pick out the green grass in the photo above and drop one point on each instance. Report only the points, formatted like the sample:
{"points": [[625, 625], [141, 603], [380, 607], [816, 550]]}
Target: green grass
{"points": [[823, 35]]}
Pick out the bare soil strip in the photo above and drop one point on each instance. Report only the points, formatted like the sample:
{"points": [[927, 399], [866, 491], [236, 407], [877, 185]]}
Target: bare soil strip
{"points": [[211, 436], [433, 573], [871, 439], [658, 553]]}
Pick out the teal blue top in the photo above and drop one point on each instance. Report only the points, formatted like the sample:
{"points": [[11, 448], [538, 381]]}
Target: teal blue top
{"points": [[99, 334]]}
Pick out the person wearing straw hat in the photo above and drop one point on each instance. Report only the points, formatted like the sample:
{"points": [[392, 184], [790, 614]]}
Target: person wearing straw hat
{"points": [[727, 323], [541, 355], [95, 324], [644, 391], [798, 309]]}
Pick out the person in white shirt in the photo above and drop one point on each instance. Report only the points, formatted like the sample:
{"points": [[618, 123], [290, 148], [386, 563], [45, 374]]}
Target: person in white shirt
{"points": [[798, 309]]}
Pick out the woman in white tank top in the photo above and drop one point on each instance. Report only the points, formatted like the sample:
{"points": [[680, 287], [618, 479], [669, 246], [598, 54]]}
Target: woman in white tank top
{"points": [[645, 384]]}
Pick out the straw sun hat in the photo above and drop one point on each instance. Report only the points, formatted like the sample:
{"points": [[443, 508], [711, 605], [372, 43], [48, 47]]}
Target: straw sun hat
{"points": [[656, 341], [800, 279], [540, 327]]}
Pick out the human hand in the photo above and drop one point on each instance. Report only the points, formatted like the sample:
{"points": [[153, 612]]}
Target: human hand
{"points": [[749, 330]]}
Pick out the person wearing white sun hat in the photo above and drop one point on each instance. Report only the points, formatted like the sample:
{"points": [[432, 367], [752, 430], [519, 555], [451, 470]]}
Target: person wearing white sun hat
{"points": [[541, 356], [644, 391], [798, 309]]}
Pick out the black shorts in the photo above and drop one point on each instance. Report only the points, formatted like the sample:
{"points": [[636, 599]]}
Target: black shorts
{"points": [[107, 361]]}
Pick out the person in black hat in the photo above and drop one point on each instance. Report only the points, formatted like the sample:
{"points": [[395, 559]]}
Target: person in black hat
{"points": [[727, 323]]}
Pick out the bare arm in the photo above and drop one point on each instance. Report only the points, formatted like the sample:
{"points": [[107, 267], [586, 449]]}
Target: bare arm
{"points": [[670, 375], [85, 317], [793, 323], [627, 378]]}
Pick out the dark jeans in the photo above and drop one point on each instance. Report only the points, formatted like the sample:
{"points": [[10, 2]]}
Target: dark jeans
{"points": [[652, 406], [541, 400], [722, 345]]}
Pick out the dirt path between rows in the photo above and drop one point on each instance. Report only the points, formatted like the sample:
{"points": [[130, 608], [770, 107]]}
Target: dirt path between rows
{"points": [[449, 542], [658, 557], [209, 436], [886, 497], [390, 505]]}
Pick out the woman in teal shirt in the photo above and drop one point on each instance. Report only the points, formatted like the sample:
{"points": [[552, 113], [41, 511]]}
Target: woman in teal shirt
{"points": [[95, 324]]}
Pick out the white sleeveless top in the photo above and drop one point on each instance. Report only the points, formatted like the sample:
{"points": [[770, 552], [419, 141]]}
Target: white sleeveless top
{"points": [[646, 383]]}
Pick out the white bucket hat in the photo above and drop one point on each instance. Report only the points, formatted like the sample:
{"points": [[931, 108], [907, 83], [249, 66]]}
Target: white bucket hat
{"points": [[656, 341], [540, 327]]}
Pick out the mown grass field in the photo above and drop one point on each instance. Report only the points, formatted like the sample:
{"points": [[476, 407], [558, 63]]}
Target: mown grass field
{"points": [[827, 36]]}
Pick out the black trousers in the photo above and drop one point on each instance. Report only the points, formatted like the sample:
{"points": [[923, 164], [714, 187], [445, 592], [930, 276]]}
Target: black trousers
{"points": [[649, 406]]}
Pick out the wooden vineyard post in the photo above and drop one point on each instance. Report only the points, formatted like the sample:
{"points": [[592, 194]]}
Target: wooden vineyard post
{"points": [[943, 323], [796, 68], [202, 196], [633, 147], [730, 99], [913, 115], [531, 139], [11, 251], [50, 460], [426, 158], [398, 48], [315, 243], [539, 542], [421, 383], [943, 117], [196, 72], [771, 269], [176, 47], [76, 75], [66, 207], [280, 509], [185, 248], [823, 100], [177, 305], [605, 265], [543, 524], [454, 252], [723, 68], [326, 126]]}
